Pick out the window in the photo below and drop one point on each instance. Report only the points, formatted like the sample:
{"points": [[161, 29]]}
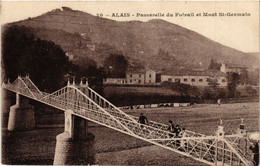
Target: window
{"points": [[192, 80], [139, 81], [169, 79], [177, 80], [200, 80], [185, 79], [130, 75], [223, 80], [140, 75], [130, 81], [150, 75]]}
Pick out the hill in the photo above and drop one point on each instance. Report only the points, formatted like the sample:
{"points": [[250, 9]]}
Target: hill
{"points": [[155, 44]]}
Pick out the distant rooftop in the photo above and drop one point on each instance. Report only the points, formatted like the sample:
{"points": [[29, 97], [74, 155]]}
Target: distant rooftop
{"points": [[230, 65], [210, 73], [135, 70]]}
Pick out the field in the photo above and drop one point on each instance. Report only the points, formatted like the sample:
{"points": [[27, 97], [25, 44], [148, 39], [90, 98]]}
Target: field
{"points": [[38, 146], [112, 90]]}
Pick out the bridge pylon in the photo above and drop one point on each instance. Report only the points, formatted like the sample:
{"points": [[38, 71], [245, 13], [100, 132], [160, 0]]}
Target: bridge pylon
{"points": [[75, 146], [21, 115]]}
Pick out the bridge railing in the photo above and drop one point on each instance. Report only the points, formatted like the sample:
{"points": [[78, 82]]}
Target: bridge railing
{"points": [[192, 147], [242, 145], [102, 102]]}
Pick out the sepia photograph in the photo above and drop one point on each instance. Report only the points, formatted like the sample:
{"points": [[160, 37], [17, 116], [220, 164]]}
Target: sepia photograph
{"points": [[168, 83]]}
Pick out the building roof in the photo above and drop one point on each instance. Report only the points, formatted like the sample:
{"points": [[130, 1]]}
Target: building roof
{"points": [[211, 73], [142, 71], [133, 70], [230, 65]]}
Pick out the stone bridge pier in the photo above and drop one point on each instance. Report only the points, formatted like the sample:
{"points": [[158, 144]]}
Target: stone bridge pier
{"points": [[21, 115], [75, 145]]}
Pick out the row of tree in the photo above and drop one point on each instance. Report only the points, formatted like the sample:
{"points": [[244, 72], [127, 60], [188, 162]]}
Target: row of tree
{"points": [[23, 52]]}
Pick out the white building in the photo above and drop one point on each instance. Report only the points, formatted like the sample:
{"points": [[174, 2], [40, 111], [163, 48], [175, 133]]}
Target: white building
{"points": [[140, 76], [225, 68], [196, 78]]}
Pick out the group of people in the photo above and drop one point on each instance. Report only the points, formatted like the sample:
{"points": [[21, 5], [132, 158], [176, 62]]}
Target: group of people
{"points": [[175, 130]]}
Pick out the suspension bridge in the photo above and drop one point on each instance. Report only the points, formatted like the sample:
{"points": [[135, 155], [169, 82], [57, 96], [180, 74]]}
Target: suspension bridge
{"points": [[83, 102]]}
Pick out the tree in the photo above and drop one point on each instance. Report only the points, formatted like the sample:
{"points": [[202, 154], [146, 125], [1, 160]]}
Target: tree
{"points": [[24, 53], [253, 77], [214, 65], [250, 91], [115, 66], [233, 81], [93, 74], [244, 78], [212, 92], [213, 83]]}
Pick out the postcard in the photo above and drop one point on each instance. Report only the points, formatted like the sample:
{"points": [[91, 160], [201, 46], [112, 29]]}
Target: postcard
{"points": [[130, 83]]}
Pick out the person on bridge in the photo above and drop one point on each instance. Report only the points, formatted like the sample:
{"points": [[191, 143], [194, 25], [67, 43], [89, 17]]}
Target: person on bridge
{"points": [[171, 128], [143, 120], [255, 150], [183, 142], [177, 130]]}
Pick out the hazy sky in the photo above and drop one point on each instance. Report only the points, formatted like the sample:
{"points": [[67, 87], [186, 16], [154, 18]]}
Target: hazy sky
{"points": [[240, 32]]}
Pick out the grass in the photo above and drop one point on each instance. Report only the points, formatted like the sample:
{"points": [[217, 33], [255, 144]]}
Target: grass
{"points": [[112, 90], [38, 146]]}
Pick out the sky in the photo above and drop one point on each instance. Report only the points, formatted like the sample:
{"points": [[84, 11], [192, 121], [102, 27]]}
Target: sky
{"points": [[239, 32]]}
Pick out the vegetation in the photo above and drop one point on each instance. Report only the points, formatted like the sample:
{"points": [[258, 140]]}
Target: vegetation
{"points": [[115, 66], [244, 77], [182, 89], [44, 61], [92, 73], [214, 65], [24, 53], [213, 91], [233, 82], [250, 91], [254, 77]]}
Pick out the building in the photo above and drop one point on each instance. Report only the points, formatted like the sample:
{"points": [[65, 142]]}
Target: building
{"points": [[140, 76], [225, 68], [114, 81], [195, 78], [150, 76]]}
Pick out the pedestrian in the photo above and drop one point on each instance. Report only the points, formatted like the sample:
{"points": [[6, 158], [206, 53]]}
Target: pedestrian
{"points": [[143, 120], [177, 130], [183, 134], [171, 128], [218, 101], [255, 150]]}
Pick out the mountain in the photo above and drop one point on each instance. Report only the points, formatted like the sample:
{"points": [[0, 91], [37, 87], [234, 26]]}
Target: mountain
{"points": [[155, 44]]}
